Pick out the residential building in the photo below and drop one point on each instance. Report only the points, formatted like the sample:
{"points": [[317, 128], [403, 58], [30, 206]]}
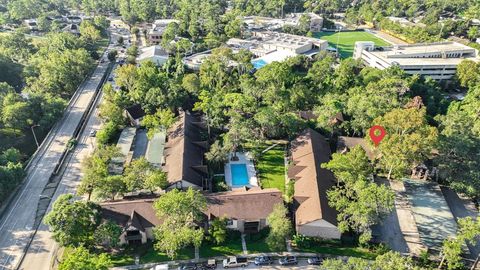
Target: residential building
{"points": [[404, 22], [155, 54], [316, 21], [436, 60], [31, 24], [137, 219], [246, 209], [184, 153], [72, 28], [135, 114], [345, 144], [154, 35], [273, 24], [124, 143], [313, 216]]}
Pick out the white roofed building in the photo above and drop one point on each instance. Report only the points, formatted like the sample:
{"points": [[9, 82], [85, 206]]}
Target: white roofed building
{"points": [[437, 60], [155, 53], [155, 34]]}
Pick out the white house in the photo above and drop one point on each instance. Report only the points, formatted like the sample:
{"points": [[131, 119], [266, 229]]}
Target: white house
{"points": [[155, 53]]}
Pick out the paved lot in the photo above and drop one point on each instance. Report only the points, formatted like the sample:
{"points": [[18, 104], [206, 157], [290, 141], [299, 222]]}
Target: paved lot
{"points": [[461, 208], [434, 219]]}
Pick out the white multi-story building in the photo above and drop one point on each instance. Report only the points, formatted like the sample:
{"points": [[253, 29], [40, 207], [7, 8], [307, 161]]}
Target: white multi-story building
{"points": [[267, 47], [436, 60], [155, 34]]}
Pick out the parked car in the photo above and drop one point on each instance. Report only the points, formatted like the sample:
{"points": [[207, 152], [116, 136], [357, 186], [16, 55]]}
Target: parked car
{"points": [[93, 133], [263, 260], [289, 260], [188, 266], [210, 264], [235, 262], [315, 261]]}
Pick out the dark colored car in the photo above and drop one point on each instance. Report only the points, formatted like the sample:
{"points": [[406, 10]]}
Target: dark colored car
{"points": [[315, 261], [188, 266], [289, 260], [210, 264], [263, 260]]}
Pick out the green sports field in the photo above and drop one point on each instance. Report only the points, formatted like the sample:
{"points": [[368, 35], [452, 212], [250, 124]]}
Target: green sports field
{"points": [[346, 40]]}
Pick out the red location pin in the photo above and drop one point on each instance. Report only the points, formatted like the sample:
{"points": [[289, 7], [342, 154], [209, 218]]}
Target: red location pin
{"points": [[381, 133]]}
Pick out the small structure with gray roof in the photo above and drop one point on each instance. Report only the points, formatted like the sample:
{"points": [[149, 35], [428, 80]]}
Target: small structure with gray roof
{"points": [[124, 143], [313, 216], [155, 149]]}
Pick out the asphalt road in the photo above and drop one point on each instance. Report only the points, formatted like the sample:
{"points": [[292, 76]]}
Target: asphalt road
{"points": [[17, 224], [43, 248]]}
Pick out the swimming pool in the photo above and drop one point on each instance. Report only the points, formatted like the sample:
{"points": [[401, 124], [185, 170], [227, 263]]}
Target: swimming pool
{"points": [[258, 64], [239, 174]]}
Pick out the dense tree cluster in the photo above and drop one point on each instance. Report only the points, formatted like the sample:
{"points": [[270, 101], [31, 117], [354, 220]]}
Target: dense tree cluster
{"points": [[359, 201], [181, 229], [138, 175], [459, 140], [438, 18]]}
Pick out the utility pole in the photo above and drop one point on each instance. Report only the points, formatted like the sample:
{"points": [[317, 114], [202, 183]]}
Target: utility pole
{"points": [[35, 136]]}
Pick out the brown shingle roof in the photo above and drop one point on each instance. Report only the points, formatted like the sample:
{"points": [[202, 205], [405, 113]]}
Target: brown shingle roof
{"points": [[132, 213], [184, 151], [135, 111], [346, 143], [253, 204], [309, 151]]}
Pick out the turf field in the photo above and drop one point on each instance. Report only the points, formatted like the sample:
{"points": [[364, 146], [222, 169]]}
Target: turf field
{"points": [[346, 40]]}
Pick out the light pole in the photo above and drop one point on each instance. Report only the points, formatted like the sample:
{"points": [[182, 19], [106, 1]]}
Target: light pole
{"points": [[34, 136], [338, 38]]}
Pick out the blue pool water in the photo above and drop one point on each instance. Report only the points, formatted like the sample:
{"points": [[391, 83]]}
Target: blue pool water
{"points": [[258, 64], [239, 174]]}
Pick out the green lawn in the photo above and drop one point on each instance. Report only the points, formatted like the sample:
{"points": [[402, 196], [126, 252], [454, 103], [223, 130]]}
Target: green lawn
{"points": [[231, 246], [346, 40], [148, 255], [271, 168]]}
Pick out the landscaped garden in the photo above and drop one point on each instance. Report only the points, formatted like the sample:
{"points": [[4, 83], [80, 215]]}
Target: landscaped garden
{"points": [[271, 167], [346, 40]]}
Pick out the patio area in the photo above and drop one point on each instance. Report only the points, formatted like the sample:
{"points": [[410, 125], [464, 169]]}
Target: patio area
{"points": [[240, 172]]}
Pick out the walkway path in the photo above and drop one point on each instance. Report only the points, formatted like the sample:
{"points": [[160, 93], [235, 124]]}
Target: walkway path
{"points": [[387, 37], [244, 245]]}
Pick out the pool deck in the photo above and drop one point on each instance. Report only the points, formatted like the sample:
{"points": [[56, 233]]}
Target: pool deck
{"points": [[243, 158]]}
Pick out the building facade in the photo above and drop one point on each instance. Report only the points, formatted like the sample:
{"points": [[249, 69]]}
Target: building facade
{"points": [[436, 60]]}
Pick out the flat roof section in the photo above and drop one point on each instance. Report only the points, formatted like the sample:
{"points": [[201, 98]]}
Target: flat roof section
{"points": [[434, 219], [125, 143], [156, 147]]}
